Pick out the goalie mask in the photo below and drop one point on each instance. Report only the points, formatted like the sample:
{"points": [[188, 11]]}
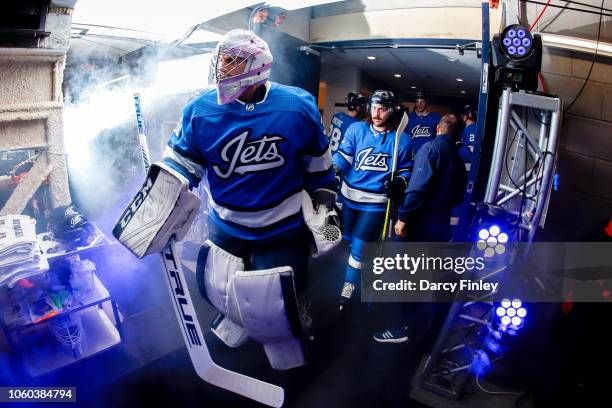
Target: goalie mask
{"points": [[241, 60]]}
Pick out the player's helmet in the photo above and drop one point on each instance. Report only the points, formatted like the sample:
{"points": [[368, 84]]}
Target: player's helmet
{"points": [[469, 111], [354, 100], [384, 98], [421, 95], [241, 60], [70, 227]]}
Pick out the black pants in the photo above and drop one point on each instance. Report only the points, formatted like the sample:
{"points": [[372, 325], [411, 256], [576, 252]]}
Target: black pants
{"points": [[289, 248]]}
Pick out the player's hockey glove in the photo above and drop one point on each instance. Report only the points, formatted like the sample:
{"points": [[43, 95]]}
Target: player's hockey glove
{"points": [[396, 188], [338, 174]]}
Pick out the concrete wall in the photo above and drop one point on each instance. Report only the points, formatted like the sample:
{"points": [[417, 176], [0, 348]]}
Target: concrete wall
{"points": [[392, 19], [31, 108], [585, 154], [337, 83]]}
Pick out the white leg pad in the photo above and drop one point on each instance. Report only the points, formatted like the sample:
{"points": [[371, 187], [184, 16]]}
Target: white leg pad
{"points": [[268, 309], [216, 271], [229, 332]]}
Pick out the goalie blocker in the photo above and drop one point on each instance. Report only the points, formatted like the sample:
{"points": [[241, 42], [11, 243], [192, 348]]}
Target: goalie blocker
{"points": [[163, 207]]}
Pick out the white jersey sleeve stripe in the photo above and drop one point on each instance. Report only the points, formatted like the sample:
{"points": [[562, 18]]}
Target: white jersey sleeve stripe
{"points": [[360, 196], [191, 166], [346, 157], [319, 163], [258, 219]]}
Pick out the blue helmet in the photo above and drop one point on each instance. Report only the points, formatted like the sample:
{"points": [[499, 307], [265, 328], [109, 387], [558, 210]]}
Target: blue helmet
{"points": [[70, 227]]}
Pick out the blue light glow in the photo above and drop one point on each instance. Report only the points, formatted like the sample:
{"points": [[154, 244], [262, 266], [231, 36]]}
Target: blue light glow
{"points": [[512, 50], [511, 315], [526, 42], [516, 42], [507, 42], [521, 33], [511, 33]]}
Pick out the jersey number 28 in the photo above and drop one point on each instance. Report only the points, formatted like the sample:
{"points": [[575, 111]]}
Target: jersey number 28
{"points": [[334, 138]]}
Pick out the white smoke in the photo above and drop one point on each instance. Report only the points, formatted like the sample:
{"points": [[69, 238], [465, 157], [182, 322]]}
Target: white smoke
{"points": [[100, 136]]}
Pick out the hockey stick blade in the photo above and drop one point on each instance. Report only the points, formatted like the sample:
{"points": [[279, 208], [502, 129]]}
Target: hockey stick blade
{"points": [[205, 367]]}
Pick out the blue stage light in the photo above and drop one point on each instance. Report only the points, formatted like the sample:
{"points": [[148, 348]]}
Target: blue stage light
{"points": [[491, 241], [511, 315], [516, 42]]}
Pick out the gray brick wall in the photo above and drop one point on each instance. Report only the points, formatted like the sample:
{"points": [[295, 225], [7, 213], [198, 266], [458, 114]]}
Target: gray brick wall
{"points": [[584, 198]]}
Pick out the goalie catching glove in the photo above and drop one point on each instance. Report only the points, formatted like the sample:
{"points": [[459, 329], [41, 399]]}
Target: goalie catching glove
{"points": [[323, 221], [163, 207]]}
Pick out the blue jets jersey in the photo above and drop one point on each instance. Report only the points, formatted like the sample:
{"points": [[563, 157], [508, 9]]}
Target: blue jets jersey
{"points": [[256, 157], [365, 158], [422, 129], [468, 138], [339, 124]]}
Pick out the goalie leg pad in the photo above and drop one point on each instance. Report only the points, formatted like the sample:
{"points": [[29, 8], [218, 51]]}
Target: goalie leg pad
{"points": [[218, 267], [164, 207], [268, 308], [214, 271], [228, 331]]}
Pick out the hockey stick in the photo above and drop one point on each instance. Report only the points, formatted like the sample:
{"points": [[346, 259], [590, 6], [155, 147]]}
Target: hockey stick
{"points": [[205, 367], [398, 133]]}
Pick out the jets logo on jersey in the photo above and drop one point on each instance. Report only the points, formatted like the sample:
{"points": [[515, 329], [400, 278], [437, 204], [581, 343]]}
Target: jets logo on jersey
{"points": [[420, 131], [366, 160], [242, 156]]}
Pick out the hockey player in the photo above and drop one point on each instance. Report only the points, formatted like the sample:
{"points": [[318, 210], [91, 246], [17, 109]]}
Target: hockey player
{"points": [[422, 124], [341, 121], [468, 136], [364, 160], [261, 150]]}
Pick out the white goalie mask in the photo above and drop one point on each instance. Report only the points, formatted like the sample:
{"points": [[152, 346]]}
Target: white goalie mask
{"points": [[240, 60]]}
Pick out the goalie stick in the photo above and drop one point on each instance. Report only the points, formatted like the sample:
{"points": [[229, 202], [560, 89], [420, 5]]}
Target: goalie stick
{"points": [[260, 391]]}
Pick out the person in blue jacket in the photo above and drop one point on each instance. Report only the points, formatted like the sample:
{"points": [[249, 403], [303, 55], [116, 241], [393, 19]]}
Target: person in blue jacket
{"points": [[364, 163], [438, 183]]}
